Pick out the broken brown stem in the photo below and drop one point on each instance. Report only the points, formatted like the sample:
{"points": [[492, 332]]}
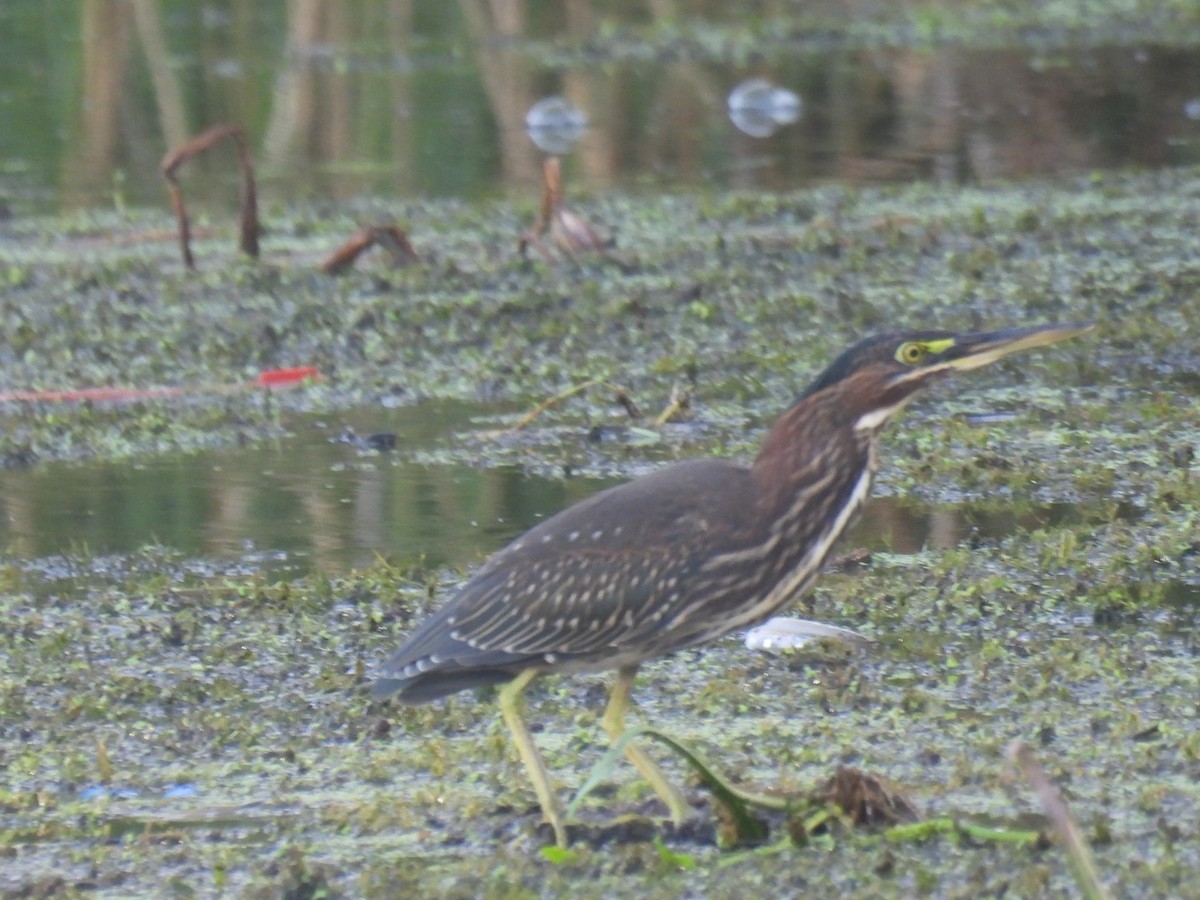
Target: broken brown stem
{"points": [[567, 231], [169, 167], [680, 401], [621, 394], [390, 237]]}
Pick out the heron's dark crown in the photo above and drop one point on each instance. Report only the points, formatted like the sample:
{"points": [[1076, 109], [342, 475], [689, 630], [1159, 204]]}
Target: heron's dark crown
{"points": [[879, 350]]}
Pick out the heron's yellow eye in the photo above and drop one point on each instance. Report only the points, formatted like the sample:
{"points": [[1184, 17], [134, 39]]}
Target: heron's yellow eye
{"points": [[911, 353]]}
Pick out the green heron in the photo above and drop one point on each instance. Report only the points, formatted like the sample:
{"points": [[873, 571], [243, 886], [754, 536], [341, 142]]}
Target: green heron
{"points": [[683, 555]]}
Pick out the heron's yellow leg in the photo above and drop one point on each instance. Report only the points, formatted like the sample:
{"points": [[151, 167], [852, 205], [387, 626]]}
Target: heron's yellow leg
{"points": [[614, 726], [510, 703]]}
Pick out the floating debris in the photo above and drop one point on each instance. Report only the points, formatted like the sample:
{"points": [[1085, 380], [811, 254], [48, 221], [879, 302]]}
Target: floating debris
{"points": [[380, 442], [760, 108], [554, 124], [107, 792], [866, 798], [271, 379], [787, 633], [992, 418]]}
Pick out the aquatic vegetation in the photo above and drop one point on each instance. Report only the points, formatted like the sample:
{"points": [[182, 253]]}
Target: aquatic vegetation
{"points": [[122, 679]]}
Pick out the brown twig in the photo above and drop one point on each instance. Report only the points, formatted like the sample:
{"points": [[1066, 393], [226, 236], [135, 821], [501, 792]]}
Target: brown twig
{"points": [[248, 242], [390, 237], [627, 404], [1083, 865], [551, 402], [621, 394], [552, 194], [680, 401]]}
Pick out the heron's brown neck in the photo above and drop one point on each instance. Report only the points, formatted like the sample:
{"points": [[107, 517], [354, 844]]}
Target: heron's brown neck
{"points": [[833, 428]]}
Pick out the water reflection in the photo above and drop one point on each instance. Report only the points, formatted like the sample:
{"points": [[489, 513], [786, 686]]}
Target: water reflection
{"points": [[353, 98], [319, 503], [313, 502]]}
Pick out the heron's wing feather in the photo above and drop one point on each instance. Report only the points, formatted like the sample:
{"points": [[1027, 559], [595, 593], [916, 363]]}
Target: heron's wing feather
{"points": [[585, 579]]}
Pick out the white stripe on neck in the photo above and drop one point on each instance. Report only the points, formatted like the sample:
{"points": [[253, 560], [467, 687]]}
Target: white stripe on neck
{"points": [[875, 419]]}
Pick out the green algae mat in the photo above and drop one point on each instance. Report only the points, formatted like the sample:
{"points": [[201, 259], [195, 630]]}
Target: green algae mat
{"points": [[180, 727]]}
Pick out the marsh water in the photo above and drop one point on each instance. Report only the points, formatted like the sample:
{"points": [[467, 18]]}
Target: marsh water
{"points": [[407, 100], [323, 499]]}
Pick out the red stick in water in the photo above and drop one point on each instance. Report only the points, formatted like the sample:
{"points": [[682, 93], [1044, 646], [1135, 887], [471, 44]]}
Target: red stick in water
{"points": [[271, 378]]}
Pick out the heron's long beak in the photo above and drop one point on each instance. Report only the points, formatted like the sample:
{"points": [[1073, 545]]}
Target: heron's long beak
{"points": [[971, 351]]}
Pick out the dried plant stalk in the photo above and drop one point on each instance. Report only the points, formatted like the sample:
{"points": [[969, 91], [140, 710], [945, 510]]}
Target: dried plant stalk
{"points": [[1083, 865], [390, 237], [566, 229], [248, 241]]}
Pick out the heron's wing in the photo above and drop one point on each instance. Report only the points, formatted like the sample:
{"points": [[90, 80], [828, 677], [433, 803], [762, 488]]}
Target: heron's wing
{"points": [[593, 579]]}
